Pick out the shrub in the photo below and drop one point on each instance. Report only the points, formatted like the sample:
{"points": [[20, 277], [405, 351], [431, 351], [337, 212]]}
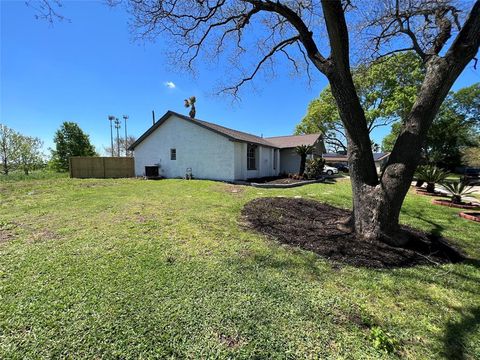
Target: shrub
{"points": [[431, 175], [457, 189], [303, 151], [314, 168]]}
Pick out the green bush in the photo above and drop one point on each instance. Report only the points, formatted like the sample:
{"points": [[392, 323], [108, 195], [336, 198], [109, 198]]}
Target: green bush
{"points": [[314, 168], [457, 189], [431, 175]]}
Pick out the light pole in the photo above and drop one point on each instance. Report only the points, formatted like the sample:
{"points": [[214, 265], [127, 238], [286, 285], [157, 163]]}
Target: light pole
{"points": [[125, 117], [117, 126], [111, 118]]}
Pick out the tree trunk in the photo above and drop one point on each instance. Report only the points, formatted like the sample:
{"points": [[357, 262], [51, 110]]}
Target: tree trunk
{"points": [[5, 166], [375, 214], [377, 202], [303, 159]]}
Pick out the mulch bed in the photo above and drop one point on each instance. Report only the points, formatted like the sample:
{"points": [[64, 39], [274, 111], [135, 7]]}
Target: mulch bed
{"points": [[425, 193], [285, 181], [470, 216], [275, 180], [311, 225], [451, 204]]}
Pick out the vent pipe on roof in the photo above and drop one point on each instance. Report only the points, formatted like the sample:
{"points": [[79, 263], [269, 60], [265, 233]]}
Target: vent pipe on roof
{"points": [[153, 117]]}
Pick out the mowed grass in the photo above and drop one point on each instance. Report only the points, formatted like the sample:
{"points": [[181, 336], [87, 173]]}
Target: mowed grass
{"points": [[165, 269]]}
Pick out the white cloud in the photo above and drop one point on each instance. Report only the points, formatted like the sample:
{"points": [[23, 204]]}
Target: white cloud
{"points": [[170, 85]]}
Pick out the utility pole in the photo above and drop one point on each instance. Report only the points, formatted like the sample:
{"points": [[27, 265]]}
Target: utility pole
{"points": [[111, 118], [125, 117], [117, 126]]}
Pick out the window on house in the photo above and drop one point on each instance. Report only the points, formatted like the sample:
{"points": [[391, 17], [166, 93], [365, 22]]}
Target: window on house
{"points": [[173, 154], [251, 157], [274, 159]]}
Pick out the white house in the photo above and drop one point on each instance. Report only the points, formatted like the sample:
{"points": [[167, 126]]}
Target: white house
{"points": [[177, 143]]}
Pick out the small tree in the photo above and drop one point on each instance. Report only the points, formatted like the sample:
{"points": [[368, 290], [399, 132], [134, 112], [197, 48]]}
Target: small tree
{"points": [[190, 103], [303, 151], [457, 189], [29, 156], [9, 145], [70, 140], [431, 175], [471, 156]]}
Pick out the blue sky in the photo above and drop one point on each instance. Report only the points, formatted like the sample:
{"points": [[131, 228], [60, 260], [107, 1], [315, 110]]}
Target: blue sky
{"points": [[88, 68]]}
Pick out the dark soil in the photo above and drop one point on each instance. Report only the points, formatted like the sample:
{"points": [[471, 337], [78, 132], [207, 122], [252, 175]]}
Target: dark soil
{"points": [[312, 226], [424, 192]]}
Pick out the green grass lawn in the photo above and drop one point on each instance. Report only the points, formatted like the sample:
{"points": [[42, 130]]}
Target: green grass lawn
{"points": [[144, 269]]}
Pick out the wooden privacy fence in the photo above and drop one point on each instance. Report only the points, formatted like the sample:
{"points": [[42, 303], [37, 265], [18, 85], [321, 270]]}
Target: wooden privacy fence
{"points": [[101, 167]]}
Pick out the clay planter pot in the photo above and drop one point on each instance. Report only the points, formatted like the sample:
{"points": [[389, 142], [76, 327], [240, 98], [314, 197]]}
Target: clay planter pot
{"points": [[451, 204], [470, 216]]}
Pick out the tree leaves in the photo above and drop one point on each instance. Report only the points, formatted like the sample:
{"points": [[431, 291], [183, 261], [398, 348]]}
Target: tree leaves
{"points": [[387, 90]]}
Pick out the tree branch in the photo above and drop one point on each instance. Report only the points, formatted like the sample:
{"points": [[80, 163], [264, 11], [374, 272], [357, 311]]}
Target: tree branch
{"points": [[279, 47]]}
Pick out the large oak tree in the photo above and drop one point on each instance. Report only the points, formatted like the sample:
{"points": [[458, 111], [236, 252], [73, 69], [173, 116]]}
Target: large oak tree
{"points": [[445, 37]]}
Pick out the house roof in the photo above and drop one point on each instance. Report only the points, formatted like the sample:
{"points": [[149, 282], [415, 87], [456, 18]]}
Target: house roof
{"points": [[340, 157], [380, 156], [232, 134], [235, 135], [292, 141]]}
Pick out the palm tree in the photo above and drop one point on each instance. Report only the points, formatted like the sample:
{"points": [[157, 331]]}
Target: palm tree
{"points": [[303, 151], [457, 189], [431, 175], [190, 103]]}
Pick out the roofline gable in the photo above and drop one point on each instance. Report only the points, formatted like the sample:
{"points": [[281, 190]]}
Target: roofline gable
{"points": [[198, 122]]}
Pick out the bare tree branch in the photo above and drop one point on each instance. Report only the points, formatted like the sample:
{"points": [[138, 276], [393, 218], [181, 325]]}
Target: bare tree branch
{"points": [[46, 10], [279, 47]]}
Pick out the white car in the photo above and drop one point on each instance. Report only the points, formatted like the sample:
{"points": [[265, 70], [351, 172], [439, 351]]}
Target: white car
{"points": [[330, 170]]}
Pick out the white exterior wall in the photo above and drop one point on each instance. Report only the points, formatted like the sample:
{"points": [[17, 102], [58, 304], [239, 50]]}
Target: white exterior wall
{"points": [[210, 155], [264, 162], [379, 164], [289, 161]]}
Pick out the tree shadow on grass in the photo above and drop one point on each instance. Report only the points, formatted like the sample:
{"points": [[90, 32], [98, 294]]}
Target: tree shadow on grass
{"points": [[457, 332], [436, 230]]}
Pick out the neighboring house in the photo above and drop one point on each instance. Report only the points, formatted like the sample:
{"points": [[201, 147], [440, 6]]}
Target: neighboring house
{"points": [[177, 142], [379, 158]]}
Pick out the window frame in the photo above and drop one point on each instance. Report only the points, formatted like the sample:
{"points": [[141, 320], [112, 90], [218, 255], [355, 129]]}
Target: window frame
{"points": [[173, 154], [251, 156]]}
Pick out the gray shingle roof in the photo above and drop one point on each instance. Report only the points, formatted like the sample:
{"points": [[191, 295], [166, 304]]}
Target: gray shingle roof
{"points": [[292, 141]]}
